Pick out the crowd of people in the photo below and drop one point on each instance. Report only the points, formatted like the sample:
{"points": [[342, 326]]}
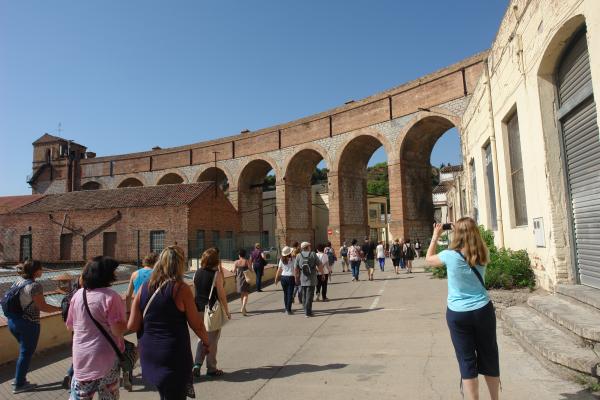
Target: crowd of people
{"points": [[163, 308]]}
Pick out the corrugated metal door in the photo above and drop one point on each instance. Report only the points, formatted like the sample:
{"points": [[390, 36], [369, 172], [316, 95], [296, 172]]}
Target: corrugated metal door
{"points": [[581, 145]]}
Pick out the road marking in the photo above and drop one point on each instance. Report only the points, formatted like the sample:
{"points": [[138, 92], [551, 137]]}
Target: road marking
{"points": [[376, 299]]}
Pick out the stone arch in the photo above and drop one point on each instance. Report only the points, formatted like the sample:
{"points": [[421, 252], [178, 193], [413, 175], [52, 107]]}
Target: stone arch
{"points": [[91, 185], [130, 182], [411, 201], [350, 178], [171, 178], [250, 202], [312, 148], [298, 193], [561, 223], [208, 174]]}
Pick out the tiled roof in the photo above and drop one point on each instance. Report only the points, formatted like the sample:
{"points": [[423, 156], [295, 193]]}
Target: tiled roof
{"points": [[145, 196], [451, 168], [10, 203], [48, 138], [443, 187]]}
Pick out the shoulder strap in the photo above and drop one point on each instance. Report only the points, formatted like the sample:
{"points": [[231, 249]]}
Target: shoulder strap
{"points": [[152, 298], [101, 328], [474, 269], [211, 288]]}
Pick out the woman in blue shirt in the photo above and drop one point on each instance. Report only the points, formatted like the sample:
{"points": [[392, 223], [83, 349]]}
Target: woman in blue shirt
{"points": [[470, 315]]}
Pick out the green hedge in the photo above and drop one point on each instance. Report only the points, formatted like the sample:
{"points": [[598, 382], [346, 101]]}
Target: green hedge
{"points": [[507, 269]]}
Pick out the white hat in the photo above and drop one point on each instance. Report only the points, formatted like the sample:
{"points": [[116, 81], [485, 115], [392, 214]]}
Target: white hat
{"points": [[304, 245], [286, 251]]}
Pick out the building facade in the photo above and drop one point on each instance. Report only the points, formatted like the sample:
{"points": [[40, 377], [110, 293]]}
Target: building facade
{"points": [[530, 138]]}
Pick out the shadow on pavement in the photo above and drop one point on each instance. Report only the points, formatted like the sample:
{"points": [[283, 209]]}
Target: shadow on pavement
{"points": [[40, 360], [272, 371], [581, 395], [317, 313], [47, 387]]}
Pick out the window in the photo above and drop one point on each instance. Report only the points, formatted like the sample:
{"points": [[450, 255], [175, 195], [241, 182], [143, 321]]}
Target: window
{"points": [[474, 191], [516, 171], [489, 173], [199, 245], [463, 202], [66, 243], [216, 238], [157, 241], [227, 250], [25, 248], [109, 244]]}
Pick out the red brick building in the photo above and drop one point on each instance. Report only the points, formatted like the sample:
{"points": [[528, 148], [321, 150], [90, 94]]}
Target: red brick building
{"points": [[123, 223]]}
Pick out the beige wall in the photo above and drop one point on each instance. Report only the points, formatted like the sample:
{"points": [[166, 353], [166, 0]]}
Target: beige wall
{"points": [[521, 61]]}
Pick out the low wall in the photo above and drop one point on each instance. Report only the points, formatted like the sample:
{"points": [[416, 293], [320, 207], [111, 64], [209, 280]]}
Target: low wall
{"points": [[54, 333]]}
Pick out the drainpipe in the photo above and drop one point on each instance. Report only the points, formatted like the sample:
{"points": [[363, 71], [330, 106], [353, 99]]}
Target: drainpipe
{"points": [[494, 155]]}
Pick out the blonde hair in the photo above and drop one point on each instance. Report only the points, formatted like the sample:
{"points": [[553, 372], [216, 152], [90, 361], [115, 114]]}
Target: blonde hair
{"points": [[467, 238], [170, 266]]}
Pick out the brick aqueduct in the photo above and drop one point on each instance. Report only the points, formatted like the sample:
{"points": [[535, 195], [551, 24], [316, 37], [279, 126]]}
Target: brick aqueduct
{"points": [[406, 121]]}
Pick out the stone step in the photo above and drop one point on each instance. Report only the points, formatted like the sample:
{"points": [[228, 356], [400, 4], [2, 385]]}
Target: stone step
{"points": [[581, 293], [580, 319], [540, 335]]}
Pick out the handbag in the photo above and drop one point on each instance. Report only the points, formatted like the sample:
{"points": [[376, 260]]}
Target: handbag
{"points": [[215, 317], [126, 358], [250, 276]]}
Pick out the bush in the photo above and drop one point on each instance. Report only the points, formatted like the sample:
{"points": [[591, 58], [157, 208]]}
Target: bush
{"points": [[507, 269]]}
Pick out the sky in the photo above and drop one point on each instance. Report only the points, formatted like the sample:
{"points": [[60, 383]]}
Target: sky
{"points": [[124, 76]]}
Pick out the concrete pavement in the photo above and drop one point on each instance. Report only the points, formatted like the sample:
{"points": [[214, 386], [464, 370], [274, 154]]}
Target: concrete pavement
{"points": [[384, 339]]}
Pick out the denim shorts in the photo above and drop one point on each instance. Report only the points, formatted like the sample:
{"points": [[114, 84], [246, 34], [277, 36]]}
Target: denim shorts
{"points": [[473, 335]]}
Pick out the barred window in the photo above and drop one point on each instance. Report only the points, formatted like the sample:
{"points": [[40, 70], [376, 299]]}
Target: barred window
{"points": [[157, 241], [25, 248], [199, 242], [516, 171], [489, 173], [216, 238], [474, 191]]}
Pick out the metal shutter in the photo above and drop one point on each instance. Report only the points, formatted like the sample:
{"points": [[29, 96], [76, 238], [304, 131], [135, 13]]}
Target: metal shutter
{"points": [[581, 145]]}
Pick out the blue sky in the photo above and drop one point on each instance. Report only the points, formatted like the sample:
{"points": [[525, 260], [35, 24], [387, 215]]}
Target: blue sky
{"points": [[124, 76]]}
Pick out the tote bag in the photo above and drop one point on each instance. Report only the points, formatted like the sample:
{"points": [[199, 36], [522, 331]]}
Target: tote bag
{"points": [[215, 317]]}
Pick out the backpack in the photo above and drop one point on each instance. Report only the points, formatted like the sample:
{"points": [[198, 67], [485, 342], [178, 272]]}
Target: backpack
{"points": [[330, 256], [344, 251], [396, 251], [11, 302], [305, 265], [66, 302], [410, 251]]}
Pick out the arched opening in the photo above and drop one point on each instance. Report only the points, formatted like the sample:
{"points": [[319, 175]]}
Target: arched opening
{"points": [[364, 191], [257, 206], [427, 179], [214, 174], [130, 182], [306, 198], [92, 185], [170, 179]]}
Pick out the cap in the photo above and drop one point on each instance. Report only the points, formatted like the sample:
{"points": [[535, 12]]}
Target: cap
{"points": [[286, 251]]}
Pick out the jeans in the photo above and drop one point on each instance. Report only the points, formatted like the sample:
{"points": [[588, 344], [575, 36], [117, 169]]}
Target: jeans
{"points": [[298, 292], [355, 265], [308, 292], [322, 286], [27, 334], [288, 284], [345, 265], [259, 270], [211, 357], [381, 263]]}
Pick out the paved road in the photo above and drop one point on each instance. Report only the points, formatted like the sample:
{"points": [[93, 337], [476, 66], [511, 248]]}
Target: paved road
{"points": [[385, 339]]}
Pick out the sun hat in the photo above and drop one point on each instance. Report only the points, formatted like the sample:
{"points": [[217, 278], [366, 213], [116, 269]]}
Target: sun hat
{"points": [[304, 245], [286, 251]]}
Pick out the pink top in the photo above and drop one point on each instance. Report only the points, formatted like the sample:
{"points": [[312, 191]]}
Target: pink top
{"points": [[93, 356]]}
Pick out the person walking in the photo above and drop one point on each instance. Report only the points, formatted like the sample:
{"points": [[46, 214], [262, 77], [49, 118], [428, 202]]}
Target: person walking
{"points": [[241, 285], [396, 255], [354, 255], [380, 250], [208, 276], [297, 287], [331, 257], [417, 249], [95, 362], [344, 255], [368, 252], [22, 304], [161, 312], [285, 273], [258, 265], [409, 255], [325, 275], [306, 267], [470, 314], [139, 277]]}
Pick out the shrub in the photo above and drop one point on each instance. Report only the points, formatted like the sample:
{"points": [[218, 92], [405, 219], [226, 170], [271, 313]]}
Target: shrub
{"points": [[507, 269]]}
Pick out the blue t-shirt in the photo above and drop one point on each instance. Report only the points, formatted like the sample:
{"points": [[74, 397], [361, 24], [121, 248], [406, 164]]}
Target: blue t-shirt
{"points": [[465, 291], [143, 275]]}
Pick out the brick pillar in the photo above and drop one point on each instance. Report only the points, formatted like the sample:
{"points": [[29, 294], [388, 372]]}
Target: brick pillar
{"points": [[396, 200], [298, 197], [250, 208], [335, 223], [353, 205], [281, 215]]}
